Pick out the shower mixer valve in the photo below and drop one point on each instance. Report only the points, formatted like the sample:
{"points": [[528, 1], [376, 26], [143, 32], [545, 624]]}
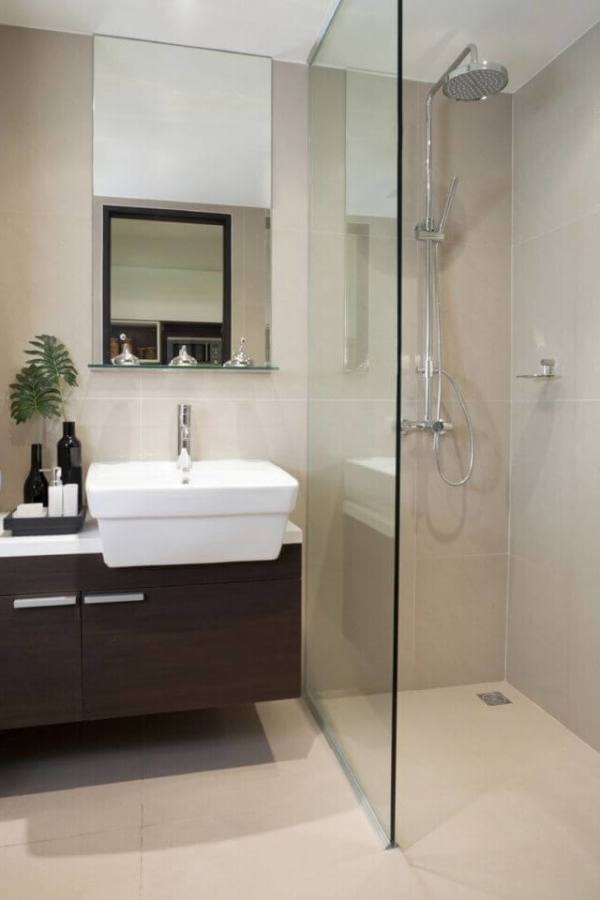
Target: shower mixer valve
{"points": [[435, 426]]}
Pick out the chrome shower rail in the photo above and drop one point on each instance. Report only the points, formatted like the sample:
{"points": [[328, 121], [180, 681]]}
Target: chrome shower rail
{"points": [[473, 81]]}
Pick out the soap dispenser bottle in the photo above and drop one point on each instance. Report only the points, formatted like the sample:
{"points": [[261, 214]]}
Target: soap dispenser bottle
{"points": [[55, 494], [68, 454], [35, 489]]}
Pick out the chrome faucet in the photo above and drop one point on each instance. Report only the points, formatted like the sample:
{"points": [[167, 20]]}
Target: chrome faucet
{"points": [[184, 439]]}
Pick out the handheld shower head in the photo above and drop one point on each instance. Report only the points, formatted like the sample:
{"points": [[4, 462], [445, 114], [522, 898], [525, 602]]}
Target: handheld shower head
{"points": [[475, 81]]}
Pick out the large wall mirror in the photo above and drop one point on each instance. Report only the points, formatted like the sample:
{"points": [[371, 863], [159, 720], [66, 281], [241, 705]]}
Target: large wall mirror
{"points": [[182, 196]]}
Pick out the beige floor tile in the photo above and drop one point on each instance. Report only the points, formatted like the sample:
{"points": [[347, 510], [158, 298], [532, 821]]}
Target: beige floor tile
{"points": [[431, 886], [282, 775], [494, 803], [499, 801], [61, 814], [328, 858], [90, 867], [511, 846], [70, 780]]}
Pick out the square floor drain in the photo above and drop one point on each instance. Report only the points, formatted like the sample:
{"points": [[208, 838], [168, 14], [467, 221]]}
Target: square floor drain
{"points": [[494, 698]]}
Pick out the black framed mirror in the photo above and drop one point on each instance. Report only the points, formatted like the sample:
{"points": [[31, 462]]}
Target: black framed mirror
{"points": [[166, 283]]}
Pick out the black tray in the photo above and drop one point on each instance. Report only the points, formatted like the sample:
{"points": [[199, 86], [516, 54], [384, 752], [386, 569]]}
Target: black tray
{"points": [[45, 525]]}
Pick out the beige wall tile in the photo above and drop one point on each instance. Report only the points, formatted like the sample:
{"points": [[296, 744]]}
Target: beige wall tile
{"points": [[538, 621], [555, 311], [475, 294], [460, 620], [289, 319], [290, 146], [45, 280], [45, 260], [109, 429], [45, 155], [543, 481], [554, 633], [472, 519], [556, 133], [553, 630]]}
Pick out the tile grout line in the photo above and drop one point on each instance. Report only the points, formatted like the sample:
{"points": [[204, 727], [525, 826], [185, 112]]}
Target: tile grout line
{"points": [[65, 837]]}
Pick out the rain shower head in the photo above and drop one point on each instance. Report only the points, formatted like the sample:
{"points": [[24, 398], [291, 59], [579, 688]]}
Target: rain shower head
{"points": [[472, 80], [475, 81]]}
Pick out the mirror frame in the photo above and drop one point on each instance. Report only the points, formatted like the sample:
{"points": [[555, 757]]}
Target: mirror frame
{"points": [[110, 212]]}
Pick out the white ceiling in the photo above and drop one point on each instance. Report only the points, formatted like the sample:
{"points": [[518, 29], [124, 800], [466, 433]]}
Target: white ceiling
{"points": [[525, 35], [283, 29], [363, 35]]}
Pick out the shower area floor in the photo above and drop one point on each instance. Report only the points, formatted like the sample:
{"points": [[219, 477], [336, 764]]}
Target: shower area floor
{"points": [[501, 801]]}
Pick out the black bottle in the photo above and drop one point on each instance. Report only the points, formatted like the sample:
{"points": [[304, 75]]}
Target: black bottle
{"points": [[36, 486], [68, 453]]}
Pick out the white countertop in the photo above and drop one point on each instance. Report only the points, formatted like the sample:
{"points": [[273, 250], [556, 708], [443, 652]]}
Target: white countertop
{"points": [[87, 541]]}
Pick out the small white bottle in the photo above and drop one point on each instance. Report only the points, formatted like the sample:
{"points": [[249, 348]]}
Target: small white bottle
{"points": [[70, 499], [55, 493]]}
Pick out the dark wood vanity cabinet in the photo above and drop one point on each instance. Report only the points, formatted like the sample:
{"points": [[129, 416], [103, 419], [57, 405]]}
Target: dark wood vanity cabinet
{"points": [[81, 641], [191, 647], [40, 660]]}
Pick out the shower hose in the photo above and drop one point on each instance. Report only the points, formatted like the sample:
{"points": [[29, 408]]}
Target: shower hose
{"points": [[441, 374]]}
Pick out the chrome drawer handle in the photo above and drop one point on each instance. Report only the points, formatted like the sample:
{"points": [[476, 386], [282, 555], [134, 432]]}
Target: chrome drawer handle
{"points": [[94, 599], [36, 602]]}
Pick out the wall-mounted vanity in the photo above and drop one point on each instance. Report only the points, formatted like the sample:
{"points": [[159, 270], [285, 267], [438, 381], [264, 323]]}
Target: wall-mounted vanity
{"points": [[79, 640]]}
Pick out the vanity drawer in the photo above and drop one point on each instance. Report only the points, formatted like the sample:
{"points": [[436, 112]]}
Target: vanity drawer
{"points": [[177, 648], [88, 572], [40, 660]]}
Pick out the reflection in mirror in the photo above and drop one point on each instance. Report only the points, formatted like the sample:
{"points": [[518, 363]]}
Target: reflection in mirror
{"points": [[167, 284]]}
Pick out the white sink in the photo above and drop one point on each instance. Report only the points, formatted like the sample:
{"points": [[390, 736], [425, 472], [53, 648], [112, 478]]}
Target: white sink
{"points": [[371, 482], [230, 511], [370, 492]]}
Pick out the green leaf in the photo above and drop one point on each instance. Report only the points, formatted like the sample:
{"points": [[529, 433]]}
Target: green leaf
{"points": [[31, 395], [53, 360]]}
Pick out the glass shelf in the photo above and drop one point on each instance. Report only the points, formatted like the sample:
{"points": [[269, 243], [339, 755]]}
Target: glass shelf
{"points": [[154, 367]]}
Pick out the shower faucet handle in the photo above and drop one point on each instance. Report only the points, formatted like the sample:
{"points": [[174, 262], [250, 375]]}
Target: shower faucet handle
{"points": [[435, 426], [423, 233]]}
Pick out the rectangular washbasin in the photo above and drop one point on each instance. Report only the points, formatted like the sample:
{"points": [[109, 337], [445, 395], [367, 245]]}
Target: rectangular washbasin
{"points": [[229, 511], [371, 482]]}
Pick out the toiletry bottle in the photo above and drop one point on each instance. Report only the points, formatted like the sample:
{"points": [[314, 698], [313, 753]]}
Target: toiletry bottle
{"points": [[70, 500], [36, 486], [55, 494], [68, 452]]}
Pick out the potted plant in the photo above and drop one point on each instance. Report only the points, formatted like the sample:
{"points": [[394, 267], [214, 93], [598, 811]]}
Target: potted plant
{"points": [[41, 386], [41, 389]]}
